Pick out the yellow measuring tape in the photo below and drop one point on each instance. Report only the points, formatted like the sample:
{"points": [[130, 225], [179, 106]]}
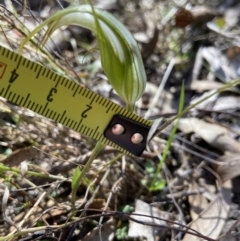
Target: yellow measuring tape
{"points": [[29, 84]]}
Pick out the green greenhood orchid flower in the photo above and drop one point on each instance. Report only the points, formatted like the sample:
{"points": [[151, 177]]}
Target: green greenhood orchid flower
{"points": [[120, 56]]}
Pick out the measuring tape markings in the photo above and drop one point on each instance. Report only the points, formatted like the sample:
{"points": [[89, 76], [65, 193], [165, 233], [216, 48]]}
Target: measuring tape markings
{"points": [[58, 98]]}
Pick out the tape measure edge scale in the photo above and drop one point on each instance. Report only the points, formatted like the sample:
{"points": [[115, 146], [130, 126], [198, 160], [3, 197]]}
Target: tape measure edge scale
{"points": [[133, 122]]}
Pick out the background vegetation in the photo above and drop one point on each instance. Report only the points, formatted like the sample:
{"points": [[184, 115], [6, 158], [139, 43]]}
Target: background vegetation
{"points": [[183, 189]]}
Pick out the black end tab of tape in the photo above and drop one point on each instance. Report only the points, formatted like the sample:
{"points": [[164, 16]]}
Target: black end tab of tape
{"points": [[130, 128]]}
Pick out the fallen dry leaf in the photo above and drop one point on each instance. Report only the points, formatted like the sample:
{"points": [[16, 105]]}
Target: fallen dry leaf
{"points": [[149, 232], [197, 203], [107, 232], [226, 103], [198, 14], [231, 169], [211, 221], [215, 135], [183, 18], [19, 156], [204, 85]]}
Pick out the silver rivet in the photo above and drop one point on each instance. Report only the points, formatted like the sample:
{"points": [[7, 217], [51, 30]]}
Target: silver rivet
{"points": [[136, 138], [117, 129]]}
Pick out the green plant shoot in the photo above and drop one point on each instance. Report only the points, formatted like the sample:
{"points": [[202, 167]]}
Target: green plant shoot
{"points": [[157, 184], [76, 175], [120, 56]]}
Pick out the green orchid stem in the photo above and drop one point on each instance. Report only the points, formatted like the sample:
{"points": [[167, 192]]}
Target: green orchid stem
{"points": [[130, 107], [99, 146]]}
